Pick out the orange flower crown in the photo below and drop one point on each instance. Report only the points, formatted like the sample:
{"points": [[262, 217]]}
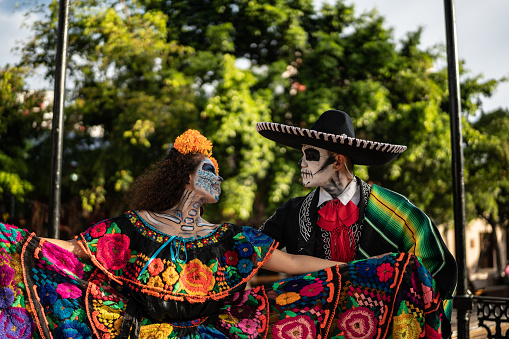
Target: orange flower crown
{"points": [[191, 141]]}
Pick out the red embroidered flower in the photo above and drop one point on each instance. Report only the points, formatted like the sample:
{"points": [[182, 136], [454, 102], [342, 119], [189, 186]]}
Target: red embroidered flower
{"points": [[113, 251], [155, 267], [299, 327], [384, 271], [232, 258], [312, 290], [196, 278], [98, 230], [358, 323]]}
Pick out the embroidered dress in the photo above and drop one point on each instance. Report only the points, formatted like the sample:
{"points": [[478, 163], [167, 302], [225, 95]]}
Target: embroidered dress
{"points": [[142, 283]]}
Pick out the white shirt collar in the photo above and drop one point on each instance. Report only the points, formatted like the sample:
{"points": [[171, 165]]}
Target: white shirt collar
{"points": [[352, 192]]}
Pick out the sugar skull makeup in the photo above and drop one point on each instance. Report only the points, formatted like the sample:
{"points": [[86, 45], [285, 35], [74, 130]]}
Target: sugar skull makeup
{"points": [[206, 180], [317, 166]]}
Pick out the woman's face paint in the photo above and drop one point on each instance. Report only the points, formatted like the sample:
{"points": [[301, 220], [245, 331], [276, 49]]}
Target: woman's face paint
{"points": [[207, 182], [317, 166]]}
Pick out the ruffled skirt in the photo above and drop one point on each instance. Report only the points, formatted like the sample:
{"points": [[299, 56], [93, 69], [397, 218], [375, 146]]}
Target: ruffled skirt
{"points": [[46, 292]]}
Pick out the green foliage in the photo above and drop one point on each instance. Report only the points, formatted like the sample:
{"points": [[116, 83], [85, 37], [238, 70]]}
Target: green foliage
{"points": [[142, 72], [21, 126]]}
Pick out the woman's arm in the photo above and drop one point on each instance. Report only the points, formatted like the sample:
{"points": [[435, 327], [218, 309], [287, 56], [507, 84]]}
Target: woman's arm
{"points": [[296, 264], [70, 245]]}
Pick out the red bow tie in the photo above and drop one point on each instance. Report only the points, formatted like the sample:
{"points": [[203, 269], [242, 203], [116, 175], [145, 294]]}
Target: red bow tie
{"points": [[337, 219]]}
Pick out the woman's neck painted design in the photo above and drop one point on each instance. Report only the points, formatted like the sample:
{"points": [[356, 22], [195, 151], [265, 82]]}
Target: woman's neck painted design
{"points": [[184, 219]]}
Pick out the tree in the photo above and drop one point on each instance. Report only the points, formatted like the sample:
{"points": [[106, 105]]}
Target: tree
{"points": [[144, 71], [22, 127]]}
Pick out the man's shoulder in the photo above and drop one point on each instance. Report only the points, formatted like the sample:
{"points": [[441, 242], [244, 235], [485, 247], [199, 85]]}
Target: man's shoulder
{"points": [[297, 201]]}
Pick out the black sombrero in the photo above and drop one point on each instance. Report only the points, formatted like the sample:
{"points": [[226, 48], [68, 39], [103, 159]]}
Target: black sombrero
{"points": [[332, 131]]}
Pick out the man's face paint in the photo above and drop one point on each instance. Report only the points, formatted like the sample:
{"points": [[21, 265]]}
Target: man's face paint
{"points": [[316, 166], [207, 182]]}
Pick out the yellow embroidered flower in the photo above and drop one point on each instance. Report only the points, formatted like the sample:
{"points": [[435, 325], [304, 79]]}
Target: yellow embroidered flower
{"points": [[155, 331], [229, 319], [287, 298], [196, 278], [406, 327], [170, 276], [156, 282]]}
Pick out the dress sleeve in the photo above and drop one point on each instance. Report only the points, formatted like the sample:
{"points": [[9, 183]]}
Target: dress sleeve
{"points": [[107, 246]]}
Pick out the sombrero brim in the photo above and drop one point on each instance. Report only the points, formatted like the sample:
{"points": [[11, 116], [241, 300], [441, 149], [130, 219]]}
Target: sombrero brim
{"points": [[362, 152]]}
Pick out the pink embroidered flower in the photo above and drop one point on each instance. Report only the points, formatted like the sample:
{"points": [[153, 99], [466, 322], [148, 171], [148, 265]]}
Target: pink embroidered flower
{"points": [[155, 267], [312, 290], [427, 294], [113, 251], [232, 258], [98, 230], [62, 260], [248, 326], [68, 290], [358, 323], [299, 327], [6, 274], [384, 271]]}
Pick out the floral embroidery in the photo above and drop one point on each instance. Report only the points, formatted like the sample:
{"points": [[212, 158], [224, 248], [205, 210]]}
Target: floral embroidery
{"points": [[298, 327], [196, 278], [68, 290], [155, 267], [47, 294], [6, 275], [287, 298], [245, 250], [113, 251], [6, 297], [358, 323], [156, 282], [170, 276], [367, 270], [63, 308], [248, 326], [384, 271], [16, 323], [295, 286], [62, 260], [232, 258], [405, 327], [99, 229], [312, 290], [156, 331], [72, 329], [245, 266]]}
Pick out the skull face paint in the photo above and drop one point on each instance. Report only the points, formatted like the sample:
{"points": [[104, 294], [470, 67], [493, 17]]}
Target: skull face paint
{"points": [[207, 182], [317, 166]]}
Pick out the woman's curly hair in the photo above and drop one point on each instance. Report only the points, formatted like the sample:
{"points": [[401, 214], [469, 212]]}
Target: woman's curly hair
{"points": [[161, 186]]}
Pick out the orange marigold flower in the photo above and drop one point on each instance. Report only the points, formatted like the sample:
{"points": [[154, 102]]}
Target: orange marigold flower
{"points": [[214, 161], [191, 141]]}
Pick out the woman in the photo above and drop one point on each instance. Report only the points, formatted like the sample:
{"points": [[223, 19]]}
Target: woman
{"points": [[161, 271]]}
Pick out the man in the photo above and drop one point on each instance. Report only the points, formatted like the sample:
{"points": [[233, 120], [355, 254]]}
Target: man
{"points": [[344, 218]]}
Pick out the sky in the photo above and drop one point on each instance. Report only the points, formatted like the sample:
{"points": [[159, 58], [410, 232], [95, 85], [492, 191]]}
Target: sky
{"points": [[481, 28]]}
